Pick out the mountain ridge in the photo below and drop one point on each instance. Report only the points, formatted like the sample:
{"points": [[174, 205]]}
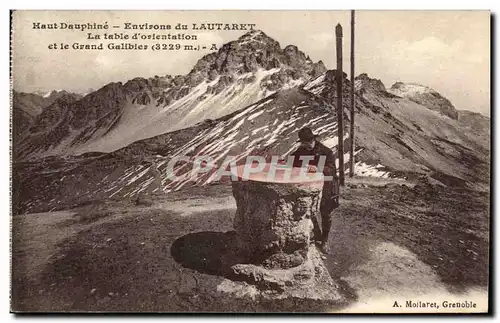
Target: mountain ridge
{"points": [[235, 103], [220, 77], [395, 138]]}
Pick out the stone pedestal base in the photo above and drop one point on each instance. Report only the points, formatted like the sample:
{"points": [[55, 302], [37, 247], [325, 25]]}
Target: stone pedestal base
{"points": [[307, 282], [274, 256], [274, 222]]}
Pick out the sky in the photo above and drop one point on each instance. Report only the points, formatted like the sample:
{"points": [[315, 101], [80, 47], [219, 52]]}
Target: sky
{"points": [[448, 51]]}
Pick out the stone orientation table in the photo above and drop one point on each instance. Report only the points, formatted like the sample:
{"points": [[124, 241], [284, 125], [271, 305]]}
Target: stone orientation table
{"points": [[274, 233]]}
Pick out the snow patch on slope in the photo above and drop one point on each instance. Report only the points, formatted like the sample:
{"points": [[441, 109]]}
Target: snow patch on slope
{"points": [[409, 89], [199, 104], [48, 94]]}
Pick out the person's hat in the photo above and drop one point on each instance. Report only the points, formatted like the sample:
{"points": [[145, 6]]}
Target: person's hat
{"points": [[306, 135]]}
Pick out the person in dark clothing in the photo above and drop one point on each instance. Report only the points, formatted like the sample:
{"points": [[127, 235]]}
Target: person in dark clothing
{"points": [[310, 146]]}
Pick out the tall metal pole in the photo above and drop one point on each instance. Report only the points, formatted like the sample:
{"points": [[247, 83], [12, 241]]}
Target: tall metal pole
{"points": [[351, 129], [340, 111]]}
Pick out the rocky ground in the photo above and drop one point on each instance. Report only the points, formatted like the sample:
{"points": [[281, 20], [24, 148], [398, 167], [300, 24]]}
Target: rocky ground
{"points": [[389, 243]]}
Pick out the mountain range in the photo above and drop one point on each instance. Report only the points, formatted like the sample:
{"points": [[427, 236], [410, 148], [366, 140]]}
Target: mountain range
{"points": [[249, 97]]}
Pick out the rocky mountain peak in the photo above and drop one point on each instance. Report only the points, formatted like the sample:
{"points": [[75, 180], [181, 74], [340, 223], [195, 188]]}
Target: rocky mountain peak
{"points": [[66, 97], [425, 96], [52, 93], [409, 88], [249, 53], [365, 83], [325, 86], [55, 112], [256, 37]]}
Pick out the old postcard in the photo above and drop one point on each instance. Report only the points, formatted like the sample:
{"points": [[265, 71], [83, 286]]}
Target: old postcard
{"points": [[250, 161]]}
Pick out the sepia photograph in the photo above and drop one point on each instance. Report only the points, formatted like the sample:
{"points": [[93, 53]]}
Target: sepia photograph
{"points": [[250, 161]]}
